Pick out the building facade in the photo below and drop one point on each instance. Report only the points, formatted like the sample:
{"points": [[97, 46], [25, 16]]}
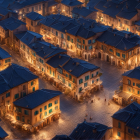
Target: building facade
{"points": [[13, 90], [79, 80], [5, 59], [125, 124], [38, 108], [118, 48]]}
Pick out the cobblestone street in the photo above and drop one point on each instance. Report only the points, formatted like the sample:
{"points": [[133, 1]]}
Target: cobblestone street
{"points": [[74, 112]]}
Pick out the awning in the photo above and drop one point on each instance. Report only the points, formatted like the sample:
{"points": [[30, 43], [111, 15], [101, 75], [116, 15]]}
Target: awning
{"points": [[122, 94], [27, 126], [38, 123]]}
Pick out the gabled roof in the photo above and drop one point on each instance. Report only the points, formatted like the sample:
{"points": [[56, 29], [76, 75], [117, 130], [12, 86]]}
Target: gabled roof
{"points": [[11, 23], [119, 40], [36, 98], [82, 11], [57, 60], [18, 5], [4, 11], [89, 131], [29, 36], [3, 134], [45, 49], [34, 16], [81, 27], [4, 54], [125, 9], [62, 137], [81, 31], [52, 3], [14, 76], [129, 115], [135, 73], [129, 9], [6, 3], [71, 2], [137, 23], [74, 66], [92, 3]]}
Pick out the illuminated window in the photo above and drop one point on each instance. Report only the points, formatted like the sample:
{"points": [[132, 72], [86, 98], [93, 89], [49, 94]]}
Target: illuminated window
{"points": [[85, 84], [129, 82], [45, 113], [119, 134], [56, 107]]}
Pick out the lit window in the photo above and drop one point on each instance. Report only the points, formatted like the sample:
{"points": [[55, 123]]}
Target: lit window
{"points": [[45, 113], [85, 84], [119, 134]]}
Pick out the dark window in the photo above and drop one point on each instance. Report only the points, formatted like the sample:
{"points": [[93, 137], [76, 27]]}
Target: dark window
{"points": [[7, 94], [130, 131]]}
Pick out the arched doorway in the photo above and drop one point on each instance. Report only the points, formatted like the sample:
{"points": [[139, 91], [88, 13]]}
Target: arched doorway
{"points": [[107, 58], [99, 55], [85, 56], [88, 56]]}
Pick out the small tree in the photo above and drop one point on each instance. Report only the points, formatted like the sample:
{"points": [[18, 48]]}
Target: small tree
{"points": [[120, 88], [100, 74]]}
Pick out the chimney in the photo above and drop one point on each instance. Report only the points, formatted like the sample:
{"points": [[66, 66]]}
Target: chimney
{"points": [[94, 130], [65, 31], [126, 35]]}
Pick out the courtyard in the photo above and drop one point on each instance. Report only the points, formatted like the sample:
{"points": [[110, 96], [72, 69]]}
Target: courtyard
{"points": [[72, 111]]}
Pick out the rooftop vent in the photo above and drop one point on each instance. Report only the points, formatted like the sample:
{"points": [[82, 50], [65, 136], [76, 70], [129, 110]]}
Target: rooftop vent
{"points": [[138, 127], [114, 34], [77, 63], [70, 70], [94, 130], [65, 31], [42, 47], [59, 56]]}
